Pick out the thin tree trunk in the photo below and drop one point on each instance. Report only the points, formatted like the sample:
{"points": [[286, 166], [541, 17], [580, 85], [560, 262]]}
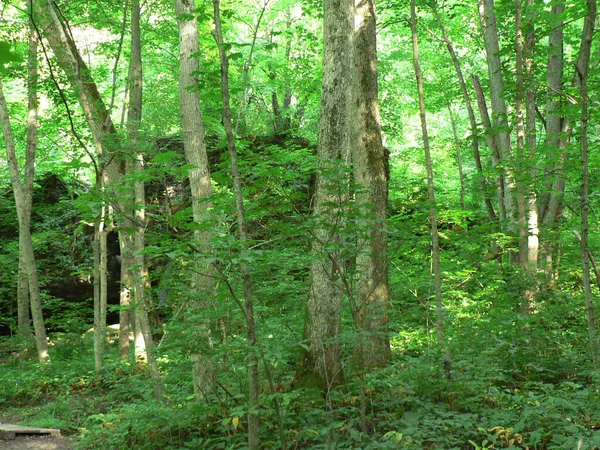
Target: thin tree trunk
{"points": [[145, 342], [492, 144], [98, 338], [499, 110], [100, 279], [23, 189], [110, 162], [472, 120], [531, 149], [461, 175], [201, 188], [526, 147], [126, 314], [554, 74], [555, 204], [253, 380], [583, 79], [369, 168], [320, 362], [24, 234], [435, 244]]}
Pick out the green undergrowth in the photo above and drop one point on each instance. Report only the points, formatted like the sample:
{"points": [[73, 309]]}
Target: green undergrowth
{"points": [[515, 384]]}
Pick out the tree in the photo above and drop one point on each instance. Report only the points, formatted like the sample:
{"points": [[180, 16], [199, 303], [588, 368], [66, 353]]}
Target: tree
{"points": [[500, 122], [583, 70], [248, 307], [140, 277], [109, 161], [23, 191], [472, 120], [200, 183], [320, 362], [435, 238], [370, 176]]}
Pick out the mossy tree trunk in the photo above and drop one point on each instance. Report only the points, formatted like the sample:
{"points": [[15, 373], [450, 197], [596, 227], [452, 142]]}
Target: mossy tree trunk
{"points": [[370, 176], [320, 362]]}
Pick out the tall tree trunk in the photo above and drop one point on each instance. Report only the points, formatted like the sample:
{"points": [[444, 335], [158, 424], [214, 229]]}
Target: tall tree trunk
{"points": [[110, 163], [435, 240], [23, 189], [320, 362], [472, 120], [554, 74], [200, 183], [526, 149], [253, 380], [556, 201], [140, 278], [369, 167], [497, 95], [583, 79]]}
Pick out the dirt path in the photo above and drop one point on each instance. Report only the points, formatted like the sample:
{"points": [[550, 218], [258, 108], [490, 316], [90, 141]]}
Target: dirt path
{"points": [[37, 443]]}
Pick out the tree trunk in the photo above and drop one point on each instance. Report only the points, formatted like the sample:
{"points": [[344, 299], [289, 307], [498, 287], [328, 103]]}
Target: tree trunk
{"points": [[100, 282], [110, 163], [23, 318], [320, 362], [492, 144], [583, 79], [554, 74], [499, 110], [253, 380], [144, 341], [555, 203], [200, 183], [23, 190], [369, 168], [472, 120], [461, 175], [435, 243], [526, 149]]}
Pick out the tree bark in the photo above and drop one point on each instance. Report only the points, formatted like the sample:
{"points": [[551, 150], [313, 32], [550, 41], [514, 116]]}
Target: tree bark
{"points": [[23, 190], [26, 243], [253, 379], [526, 150], [583, 70], [110, 162], [320, 362], [554, 74], [492, 144], [23, 317], [100, 283], [369, 168], [499, 111], [555, 203], [141, 281], [435, 242], [201, 188]]}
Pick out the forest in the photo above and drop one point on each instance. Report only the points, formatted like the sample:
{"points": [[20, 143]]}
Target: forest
{"points": [[277, 224]]}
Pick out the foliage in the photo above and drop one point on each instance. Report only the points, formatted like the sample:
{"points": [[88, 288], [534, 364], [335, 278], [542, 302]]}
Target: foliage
{"points": [[516, 382]]}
